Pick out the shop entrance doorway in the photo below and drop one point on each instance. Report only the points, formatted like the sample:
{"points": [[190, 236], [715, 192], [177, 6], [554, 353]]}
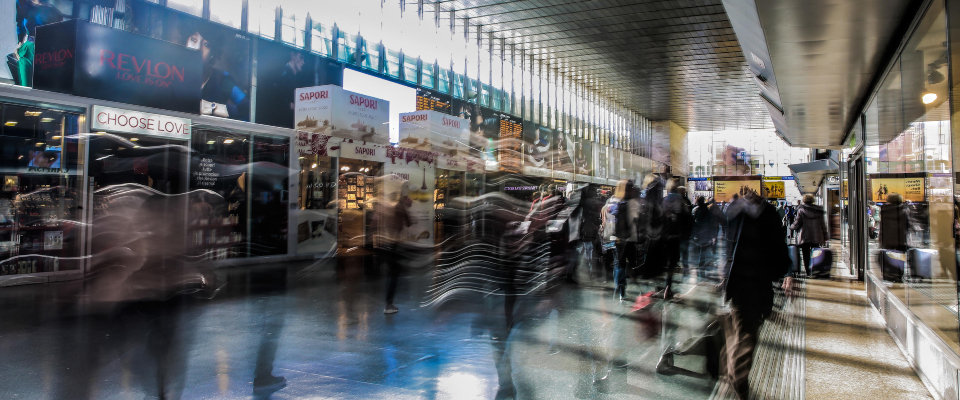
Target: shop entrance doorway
{"points": [[357, 191], [137, 184]]}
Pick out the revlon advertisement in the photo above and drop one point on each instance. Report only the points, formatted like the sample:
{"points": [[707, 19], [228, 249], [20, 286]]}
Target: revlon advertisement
{"points": [[225, 55], [281, 70], [110, 64], [331, 110], [536, 150], [412, 176]]}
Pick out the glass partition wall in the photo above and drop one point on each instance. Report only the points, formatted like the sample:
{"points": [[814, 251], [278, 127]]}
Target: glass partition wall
{"points": [[909, 180]]}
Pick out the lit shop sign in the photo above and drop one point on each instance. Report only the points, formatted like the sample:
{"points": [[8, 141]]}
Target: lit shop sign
{"points": [[127, 121], [330, 110], [357, 150], [519, 188], [90, 60]]}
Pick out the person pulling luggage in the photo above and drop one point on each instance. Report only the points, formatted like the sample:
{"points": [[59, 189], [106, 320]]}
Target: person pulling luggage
{"points": [[812, 229]]}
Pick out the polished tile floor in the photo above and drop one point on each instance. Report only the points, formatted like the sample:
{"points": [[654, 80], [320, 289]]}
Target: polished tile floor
{"points": [[321, 326]]}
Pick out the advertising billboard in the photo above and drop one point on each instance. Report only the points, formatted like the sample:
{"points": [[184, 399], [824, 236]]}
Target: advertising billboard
{"points": [[563, 154], [775, 189], [724, 187], [910, 186], [109, 64], [280, 71], [331, 110], [537, 144], [584, 161]]}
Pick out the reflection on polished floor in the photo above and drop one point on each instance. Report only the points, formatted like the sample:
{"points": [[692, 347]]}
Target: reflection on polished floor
{"points": [[332, 338], [320, 326]]}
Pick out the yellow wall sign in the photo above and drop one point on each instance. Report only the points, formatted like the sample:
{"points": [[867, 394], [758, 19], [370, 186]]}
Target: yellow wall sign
{"points": [[724, 187], [912, 189], [775, 189]]}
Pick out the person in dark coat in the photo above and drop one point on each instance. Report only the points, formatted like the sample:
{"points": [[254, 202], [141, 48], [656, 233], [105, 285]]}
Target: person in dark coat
{"points": [[759, 257], [894, 223], [677, 223], [813, 229], [704, 236], [590, 231]]}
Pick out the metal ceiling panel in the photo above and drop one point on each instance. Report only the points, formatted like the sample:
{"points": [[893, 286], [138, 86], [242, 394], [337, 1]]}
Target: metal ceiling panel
{"points": [[825, 54], [667, 60]]}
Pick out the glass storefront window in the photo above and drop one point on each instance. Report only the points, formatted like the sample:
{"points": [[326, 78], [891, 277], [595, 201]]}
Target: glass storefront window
{"points": [[219, 221], [410, 68], [322, 39], [269, 195], [426, 75], [443, 81], [392, 64], [227, 12], [370, 56], [930, 274], [317, 204], [40, 228], [346, 47]]}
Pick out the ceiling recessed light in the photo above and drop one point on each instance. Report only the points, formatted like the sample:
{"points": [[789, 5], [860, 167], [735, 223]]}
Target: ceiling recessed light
{"points": [[211, 142], [39, 144], [46, 119], [228, 141], [136, 147], [108, 155], [11, 123], [929, 98], [56, 137], [101, 133], [133, 139]]}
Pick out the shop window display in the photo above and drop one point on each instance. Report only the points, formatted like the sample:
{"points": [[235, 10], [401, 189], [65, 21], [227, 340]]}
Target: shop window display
{"points": [[39, 216], [220, 185], [317, 203]]}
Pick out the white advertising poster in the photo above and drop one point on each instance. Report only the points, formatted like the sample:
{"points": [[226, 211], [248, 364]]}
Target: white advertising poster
{"points": [[435, 131], [330, 110], [600, 163], [418, 172], [615, 157]]}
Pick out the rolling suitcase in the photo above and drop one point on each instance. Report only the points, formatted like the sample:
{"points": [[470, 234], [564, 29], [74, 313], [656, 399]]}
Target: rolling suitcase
{"points": [[892, 264], [796, 261], [920, 262], [821, 262]]}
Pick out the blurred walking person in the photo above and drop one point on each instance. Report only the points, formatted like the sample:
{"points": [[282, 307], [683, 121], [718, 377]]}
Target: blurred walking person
{"points": [[677, 222], [759, 258], [397, 222], [703, 240], [620, 234], [809, 221], [591, 204]]}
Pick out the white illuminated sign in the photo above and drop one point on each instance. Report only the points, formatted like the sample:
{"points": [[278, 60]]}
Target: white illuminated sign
{"points": [[127, 121]]}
